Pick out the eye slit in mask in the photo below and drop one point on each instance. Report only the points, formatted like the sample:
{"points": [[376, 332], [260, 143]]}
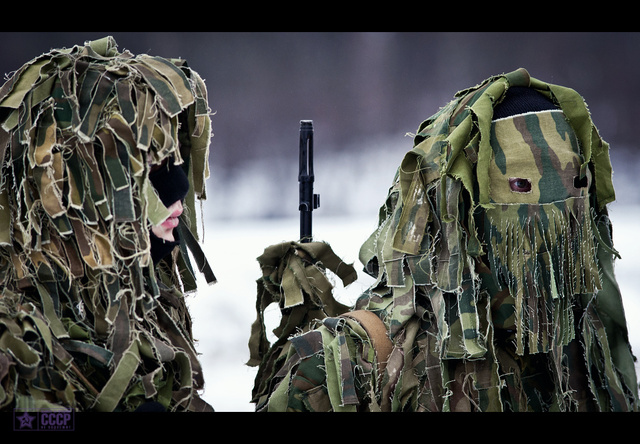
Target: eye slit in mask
{"points": [[580, 183], [520, 185]]}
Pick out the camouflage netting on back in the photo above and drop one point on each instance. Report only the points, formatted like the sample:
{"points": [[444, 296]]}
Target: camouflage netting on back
{"points": [[493, 262], [87, 320]]}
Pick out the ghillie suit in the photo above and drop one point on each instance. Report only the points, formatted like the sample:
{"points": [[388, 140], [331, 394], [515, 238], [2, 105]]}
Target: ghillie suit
{"points": [[493, 262], [87, 320]]}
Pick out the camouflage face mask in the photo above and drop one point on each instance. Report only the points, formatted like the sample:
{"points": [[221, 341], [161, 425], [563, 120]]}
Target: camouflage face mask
{"points": [[539, 231]]}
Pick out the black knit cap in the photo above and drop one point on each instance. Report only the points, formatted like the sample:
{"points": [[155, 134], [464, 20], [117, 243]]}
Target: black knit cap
{"points": [[522, 99], [171, 182]]}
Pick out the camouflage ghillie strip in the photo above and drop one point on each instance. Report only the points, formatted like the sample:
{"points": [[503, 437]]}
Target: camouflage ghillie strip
{"points": [[293, 276], [87, 320], [494, 274]]}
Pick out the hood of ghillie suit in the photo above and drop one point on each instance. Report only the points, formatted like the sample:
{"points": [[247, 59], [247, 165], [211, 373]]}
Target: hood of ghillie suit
{"points": [[494, 276], [80, 130], [499, 199]]}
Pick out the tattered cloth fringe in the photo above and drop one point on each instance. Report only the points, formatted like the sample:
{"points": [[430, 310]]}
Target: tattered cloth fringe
{"points": [[544, 254]]}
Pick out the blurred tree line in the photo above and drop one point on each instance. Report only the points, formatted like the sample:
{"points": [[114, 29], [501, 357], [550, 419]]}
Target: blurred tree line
{"points": [[357, 86]]}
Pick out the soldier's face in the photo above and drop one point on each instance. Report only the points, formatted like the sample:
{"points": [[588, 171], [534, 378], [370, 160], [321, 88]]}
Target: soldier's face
{"points": [[165, 229]]}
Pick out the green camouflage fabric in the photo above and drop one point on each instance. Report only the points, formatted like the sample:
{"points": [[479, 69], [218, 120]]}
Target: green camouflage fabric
{"points": [[86, 319], [493, 262], [295, 277]]}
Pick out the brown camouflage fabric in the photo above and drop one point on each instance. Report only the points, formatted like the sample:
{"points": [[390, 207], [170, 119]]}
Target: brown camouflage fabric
{"points": [[494, 275], [87, 320], [294, 276]]}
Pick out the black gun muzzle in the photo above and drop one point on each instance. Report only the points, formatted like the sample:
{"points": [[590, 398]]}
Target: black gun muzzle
{"points": [[308, 201]]}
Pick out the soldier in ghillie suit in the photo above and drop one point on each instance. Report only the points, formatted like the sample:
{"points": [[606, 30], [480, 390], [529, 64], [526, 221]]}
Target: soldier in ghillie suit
{"points": [[493, 262], [97, 146]]}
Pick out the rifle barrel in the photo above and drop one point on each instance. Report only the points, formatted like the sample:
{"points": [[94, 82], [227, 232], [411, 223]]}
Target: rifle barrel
{"points": [[308, 201]]}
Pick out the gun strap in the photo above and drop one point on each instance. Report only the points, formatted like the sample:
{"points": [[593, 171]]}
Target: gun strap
{"points": [[377, 331]]}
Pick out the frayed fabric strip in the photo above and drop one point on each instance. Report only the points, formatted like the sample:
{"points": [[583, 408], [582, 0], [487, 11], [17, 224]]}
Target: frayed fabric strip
{"points": [[544, 254]]}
